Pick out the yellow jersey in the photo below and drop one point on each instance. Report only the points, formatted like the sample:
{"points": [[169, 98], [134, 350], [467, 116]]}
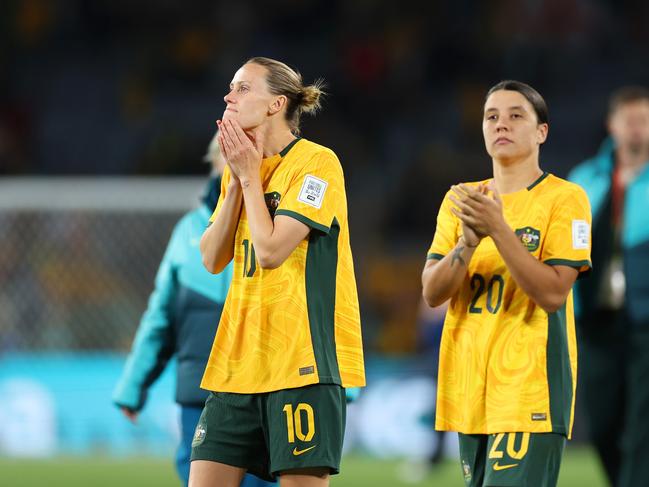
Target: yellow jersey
{"points": [[298, 324], [506, 365]]}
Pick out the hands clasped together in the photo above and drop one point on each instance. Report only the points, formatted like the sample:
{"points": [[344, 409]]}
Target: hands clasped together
{"points": [[242, 151], [481, 213]]}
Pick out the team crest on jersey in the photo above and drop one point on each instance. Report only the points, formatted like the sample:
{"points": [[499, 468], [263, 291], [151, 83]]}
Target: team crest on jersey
{"points": [[467, 471], [272, 202], [530, 237], [199, 435]]}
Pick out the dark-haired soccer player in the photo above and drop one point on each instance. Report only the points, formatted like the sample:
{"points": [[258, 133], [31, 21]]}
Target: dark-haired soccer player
{"points": [[506, 252]]}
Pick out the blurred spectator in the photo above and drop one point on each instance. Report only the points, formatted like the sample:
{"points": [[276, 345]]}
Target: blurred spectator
{"points": [[181, 319], [613, 305]]}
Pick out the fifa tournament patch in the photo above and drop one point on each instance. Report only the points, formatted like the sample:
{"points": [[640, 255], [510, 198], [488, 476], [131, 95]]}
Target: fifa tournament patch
{"points": [[313, 190], [529, 237], [580, 234], [199, 435]]}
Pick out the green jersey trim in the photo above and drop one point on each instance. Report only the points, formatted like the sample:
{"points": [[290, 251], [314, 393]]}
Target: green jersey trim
{"points": [[320, 280], [289, 147], [538, 181], [433, 255], [301, 218], [559, 373], [577, 264]]}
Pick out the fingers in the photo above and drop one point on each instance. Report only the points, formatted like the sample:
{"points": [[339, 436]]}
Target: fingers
{"points": [[459, 192], [465, 200], [236, 139], [474, 193], [461, 204], [466, 219], [240, 134], [225, 143], [230, 139], [239, 137], [466, 192], [236, 133], [222, 146], [478, 197]]}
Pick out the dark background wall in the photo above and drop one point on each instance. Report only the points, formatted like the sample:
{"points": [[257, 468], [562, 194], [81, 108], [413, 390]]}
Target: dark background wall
{"points": [[116, 87]]}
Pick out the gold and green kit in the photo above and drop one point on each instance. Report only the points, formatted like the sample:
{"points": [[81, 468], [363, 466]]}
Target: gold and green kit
{"points": [[507, 365], [298, 324]]}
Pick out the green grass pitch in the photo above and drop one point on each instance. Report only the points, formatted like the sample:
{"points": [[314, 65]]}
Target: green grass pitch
{"points": [[579, 468]]}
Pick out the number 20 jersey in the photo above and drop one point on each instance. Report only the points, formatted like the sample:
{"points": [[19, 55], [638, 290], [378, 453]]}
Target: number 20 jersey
{"points": [[298, 324], [506, 365]]}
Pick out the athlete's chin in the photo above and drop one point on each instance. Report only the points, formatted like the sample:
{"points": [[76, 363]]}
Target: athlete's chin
{"points": [[506, 156], [243, 122], [230, 115]]}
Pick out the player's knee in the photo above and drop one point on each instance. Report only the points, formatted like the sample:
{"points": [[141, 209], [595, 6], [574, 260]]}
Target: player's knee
{"points": [[311, 476]]}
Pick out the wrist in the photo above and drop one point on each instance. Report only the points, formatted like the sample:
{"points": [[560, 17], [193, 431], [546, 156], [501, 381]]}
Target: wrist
{"points": [[501, 231], [248, 182], [234, 188], [466, 244]]}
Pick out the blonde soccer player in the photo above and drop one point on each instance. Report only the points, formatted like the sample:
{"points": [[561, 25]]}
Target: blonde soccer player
{"points": [[289, 339], [507, 251]]}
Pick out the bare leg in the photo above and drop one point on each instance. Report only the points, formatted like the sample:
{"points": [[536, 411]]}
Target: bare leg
{"points": [[305, 477], [203, 473]]}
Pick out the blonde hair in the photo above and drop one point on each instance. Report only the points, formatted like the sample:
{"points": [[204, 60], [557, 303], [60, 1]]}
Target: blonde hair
{"points": [[283, 80]]}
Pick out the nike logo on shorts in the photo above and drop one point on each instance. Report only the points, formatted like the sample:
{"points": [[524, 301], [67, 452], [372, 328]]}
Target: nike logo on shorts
{"points": [[504, 467], [297, 452]]}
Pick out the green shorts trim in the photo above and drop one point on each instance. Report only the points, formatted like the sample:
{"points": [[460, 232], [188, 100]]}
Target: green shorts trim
{"points": [[273, 432], [511, 459]]}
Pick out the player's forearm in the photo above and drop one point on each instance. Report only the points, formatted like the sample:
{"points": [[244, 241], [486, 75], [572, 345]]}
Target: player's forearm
{"points": [[442, 279], [539, 281], [217, 242], [260, 224]]}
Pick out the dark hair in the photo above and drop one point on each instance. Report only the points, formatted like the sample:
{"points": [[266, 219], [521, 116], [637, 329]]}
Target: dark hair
{"points": [[283, 80], [625, 95], [530, 94]]}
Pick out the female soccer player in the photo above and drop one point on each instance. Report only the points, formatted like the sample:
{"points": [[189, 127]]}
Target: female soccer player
{"points": [[289, 339], [506, 252]]}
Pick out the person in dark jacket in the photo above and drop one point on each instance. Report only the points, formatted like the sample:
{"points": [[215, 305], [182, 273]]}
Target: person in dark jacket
{"points": [[181, 319], [613, 304]]}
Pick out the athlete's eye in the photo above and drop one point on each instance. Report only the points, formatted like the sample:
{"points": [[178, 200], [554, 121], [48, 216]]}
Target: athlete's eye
{"points": [[492, 117], [242, 89]]}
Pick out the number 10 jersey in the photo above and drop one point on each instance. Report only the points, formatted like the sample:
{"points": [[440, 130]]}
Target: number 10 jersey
{"points": [[298, 324]]}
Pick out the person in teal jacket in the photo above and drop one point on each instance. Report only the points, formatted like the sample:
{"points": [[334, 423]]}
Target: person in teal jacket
{"points": [[612, 306], [180, 320]]}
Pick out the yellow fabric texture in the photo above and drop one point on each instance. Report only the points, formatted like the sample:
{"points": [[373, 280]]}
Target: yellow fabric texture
{"points": [[298, 324], [494, 356]]}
